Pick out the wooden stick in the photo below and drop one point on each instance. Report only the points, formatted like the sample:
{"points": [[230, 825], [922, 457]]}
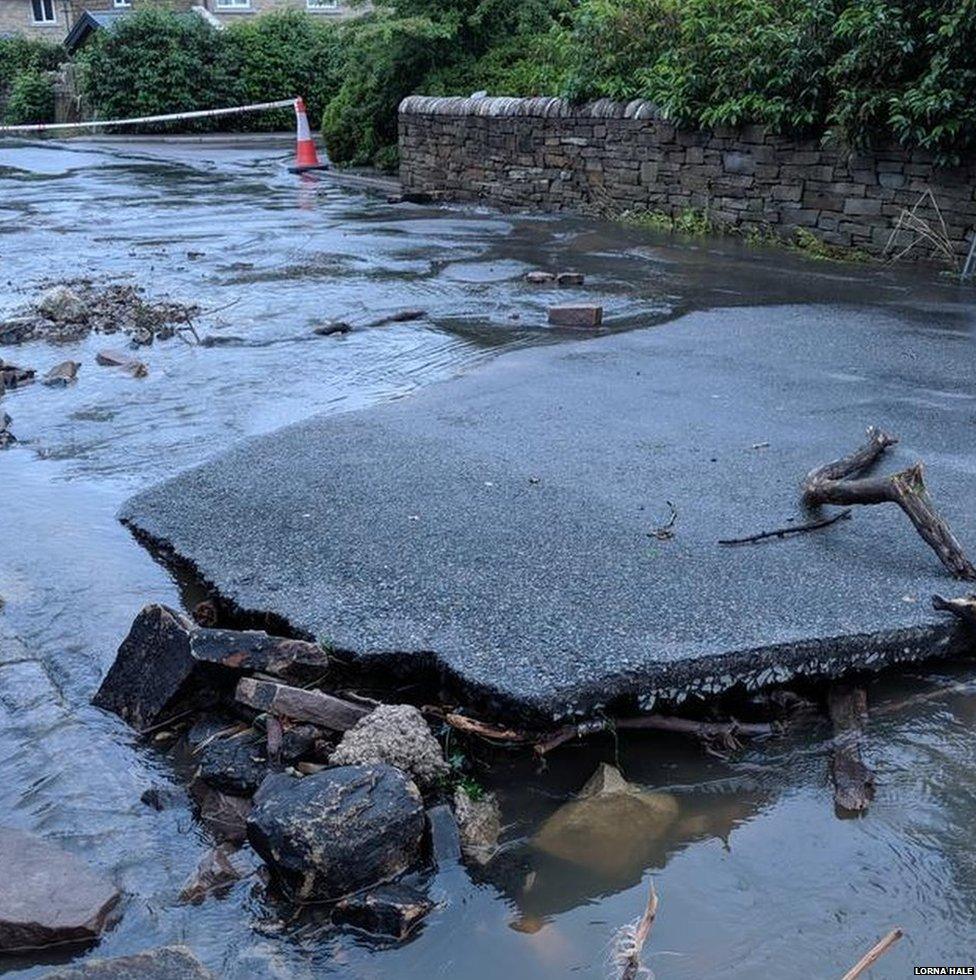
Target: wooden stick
{"points": [[782, 532], [964, 607], [830, 484], [853, 781], [643, 930], [873, 954]]}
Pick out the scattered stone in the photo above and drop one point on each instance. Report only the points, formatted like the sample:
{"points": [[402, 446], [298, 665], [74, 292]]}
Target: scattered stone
{"points": [[215, 873], [224, 815], [400, 316], [7, 438], [62, 375], [205, 613], [398, 735], [392, 911], [211, 726], [62, 305], [570, 279], [233, 765], [163, 797], [17, 330], [576, 315], [48, 896], [538, 277], [611, 827], [339, 831], [165, 963], [154, 673], [141, 337], [335, 327], [12, 376], [298, 742], [479, 824], [222, 340], [119, 359], [296, 660], [294, 702], [445, 841]]}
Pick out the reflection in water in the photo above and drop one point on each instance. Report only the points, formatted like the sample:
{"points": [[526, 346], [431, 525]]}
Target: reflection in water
{"points": [[756, 877]]}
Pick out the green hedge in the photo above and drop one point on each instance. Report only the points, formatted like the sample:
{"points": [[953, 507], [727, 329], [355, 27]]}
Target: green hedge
{"points": [[30, 99], [26, 91]]}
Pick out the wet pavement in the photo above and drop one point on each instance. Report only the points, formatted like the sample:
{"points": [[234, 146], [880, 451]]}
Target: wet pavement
{"points": [[756, 874]]}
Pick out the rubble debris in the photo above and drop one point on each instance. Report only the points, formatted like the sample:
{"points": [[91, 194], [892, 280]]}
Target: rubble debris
{"points": [[392, 911], [399, 316], [215, 873], [570, 279], [223, 814], [62, 305], [575, 315], [853, 781], [832, 484], [445, 839], [610, 827], [48, 896], [163, 797], [7, 438], [332, 328], [16, 330], [479, 824], [539, 276], [233, 765], [296, 660], [61, 375], [164, 963], [12, 376], [396, 734], [116, 358], [339, 831], [294, 702]]}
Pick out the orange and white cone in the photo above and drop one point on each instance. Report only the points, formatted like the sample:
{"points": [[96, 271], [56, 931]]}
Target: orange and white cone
{"points": [[306, 156]]}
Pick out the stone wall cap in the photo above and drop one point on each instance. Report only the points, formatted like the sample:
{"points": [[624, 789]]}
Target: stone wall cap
{"points": [[538, 107]]}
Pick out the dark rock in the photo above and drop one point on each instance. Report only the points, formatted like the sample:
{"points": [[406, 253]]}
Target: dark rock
{"points": [[165, 963], [234, 765], [227, 340], [338, 831], [12, 376], [224, 815], [61, 374], [154, 674], [48, 896], [17, 330], [416, 197], [217, 871], [209, 727], [328, 329], [570, 279], [390, 910], [119, 359], [247, 650], [445, 841], [7, 438], [540, 277], [164, 797], [298, 742], [206, 613], [400, 316]]}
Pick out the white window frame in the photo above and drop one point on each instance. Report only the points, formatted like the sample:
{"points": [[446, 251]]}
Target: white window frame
{"points": [[121, 3], [44, 22], [232, 6], [322, 6]]}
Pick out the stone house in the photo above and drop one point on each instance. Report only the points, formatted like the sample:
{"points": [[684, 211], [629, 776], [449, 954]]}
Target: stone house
{"points": [[53, 19]]}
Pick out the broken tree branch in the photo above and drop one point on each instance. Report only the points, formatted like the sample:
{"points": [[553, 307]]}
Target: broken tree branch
{"points": [[873, 954], [830, 484], [964, 607], [634, 942], [853, 781], [782, 532]]}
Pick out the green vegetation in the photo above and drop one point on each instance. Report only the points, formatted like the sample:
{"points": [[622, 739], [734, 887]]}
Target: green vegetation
{"points": [[858, 71], [26, 92], [691, 222]]}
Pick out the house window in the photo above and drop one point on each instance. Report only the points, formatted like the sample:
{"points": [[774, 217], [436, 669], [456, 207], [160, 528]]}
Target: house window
{"points": [[322, 4], [233, 4], [43, 11], [121, 3]]}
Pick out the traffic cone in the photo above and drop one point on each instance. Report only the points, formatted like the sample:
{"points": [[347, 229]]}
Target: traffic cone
{"points": [[306, 157]]}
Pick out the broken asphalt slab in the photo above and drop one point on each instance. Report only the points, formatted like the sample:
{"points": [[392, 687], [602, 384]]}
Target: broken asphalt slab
{"points": [[497, 528]]}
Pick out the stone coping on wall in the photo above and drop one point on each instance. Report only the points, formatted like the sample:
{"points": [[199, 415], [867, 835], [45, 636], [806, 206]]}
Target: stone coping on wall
{"points": [[543, 107]]}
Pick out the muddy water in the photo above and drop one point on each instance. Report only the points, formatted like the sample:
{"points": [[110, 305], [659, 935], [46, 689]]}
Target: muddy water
{"points": [[756, 874]]}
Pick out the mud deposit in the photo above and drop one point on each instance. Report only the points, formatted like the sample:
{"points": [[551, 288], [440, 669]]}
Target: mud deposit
{"points": [[756, 875]]}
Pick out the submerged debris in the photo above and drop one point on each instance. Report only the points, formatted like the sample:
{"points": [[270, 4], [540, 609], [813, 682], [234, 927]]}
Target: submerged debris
{"points": [[479, 824], [12, 376], [392, 911], [61, 375], [119, 359], [7, 438], [164, 963]]}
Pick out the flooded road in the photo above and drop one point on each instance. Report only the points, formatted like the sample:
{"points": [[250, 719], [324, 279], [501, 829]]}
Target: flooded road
{"points": [[756, 875]]}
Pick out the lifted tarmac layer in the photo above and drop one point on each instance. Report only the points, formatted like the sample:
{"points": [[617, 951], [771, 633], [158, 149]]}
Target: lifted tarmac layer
{"points": [[497, 525]]}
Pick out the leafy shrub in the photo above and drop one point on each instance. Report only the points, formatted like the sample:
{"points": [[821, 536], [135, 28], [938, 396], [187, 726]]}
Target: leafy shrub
{"points": [[31, 99], [19, 54]]}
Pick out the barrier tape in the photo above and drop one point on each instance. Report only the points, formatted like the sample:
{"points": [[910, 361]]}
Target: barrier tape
{"points": [[171, 117]]}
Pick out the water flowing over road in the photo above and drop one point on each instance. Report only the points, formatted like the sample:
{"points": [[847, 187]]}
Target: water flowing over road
{"points": [[756, 874]]}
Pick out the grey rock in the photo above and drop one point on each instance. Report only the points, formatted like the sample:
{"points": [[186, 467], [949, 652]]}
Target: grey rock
{"points": [[330, 329], [339, 831], [165, 963], [445, 840], [62, 305], [48, 896], [61, 374], [7, 438], [398, 735], [479, 825], [12, 376], [392, 911]]}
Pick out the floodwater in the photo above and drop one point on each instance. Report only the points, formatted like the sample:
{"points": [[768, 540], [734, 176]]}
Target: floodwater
{"points": [[757, 876]]}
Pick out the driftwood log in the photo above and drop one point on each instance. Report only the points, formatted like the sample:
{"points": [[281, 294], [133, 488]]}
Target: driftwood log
{"points": [[840, 482], [873, 955], [634, 941], [853, 781]]}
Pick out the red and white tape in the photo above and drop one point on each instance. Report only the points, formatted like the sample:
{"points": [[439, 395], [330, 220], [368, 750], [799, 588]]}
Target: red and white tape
{"points": [[139, 120]]}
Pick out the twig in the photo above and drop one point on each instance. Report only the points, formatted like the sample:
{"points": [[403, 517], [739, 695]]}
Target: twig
{"points": [[873, 954], [666, 531], [853, 781], [829, 484], [631, 963], [782, 532]]}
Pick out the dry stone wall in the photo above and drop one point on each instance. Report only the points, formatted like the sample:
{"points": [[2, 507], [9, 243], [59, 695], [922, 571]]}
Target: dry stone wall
{"points": [[610, 157]]}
